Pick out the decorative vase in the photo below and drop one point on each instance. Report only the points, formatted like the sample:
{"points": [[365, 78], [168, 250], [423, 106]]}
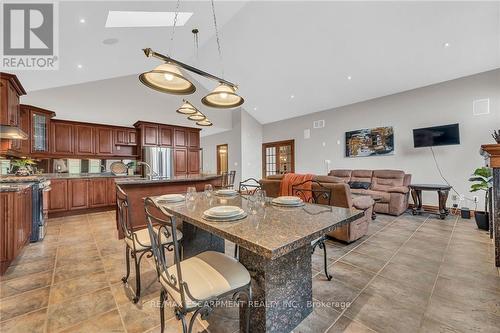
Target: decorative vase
{"points": [[22, 171], [482, 220]]}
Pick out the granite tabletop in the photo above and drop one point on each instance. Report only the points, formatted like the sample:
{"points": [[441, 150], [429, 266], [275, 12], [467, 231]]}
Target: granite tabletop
{"points": [[272, 231], [174, 179]]}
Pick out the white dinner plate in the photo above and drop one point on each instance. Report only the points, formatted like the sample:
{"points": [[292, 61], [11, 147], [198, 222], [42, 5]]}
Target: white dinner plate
{"points": [[225, 218], [171, 197], [223, 211], [226, 192], [287, 200]]}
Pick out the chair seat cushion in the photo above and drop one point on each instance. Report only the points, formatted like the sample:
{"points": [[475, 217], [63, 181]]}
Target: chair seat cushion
{"points": [[144, 242], [208, 274]]}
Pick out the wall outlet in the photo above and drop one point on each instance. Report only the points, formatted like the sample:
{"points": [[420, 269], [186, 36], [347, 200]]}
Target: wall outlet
{"points": [[318, 124], [454, 197]]}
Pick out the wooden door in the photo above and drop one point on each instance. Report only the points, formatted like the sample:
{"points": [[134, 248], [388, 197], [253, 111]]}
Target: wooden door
{"points": [[62, 138], [193, 161], [149, 135], [84, 139], [194, 139], [98, 195], [104, 141], [180, 137], [278, 157], [222, 158], [78, 194], [111, 191], [58, 195], [180, 161], [165, 136]]}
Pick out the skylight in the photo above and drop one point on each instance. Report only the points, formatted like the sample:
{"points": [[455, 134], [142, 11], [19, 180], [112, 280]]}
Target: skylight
{"points": [[128, 19]]}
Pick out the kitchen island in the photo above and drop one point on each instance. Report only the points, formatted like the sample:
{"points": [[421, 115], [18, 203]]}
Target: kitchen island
{"points": [[139, 188]]}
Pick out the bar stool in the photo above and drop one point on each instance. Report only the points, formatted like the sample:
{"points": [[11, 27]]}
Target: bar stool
{"points": [[197, 283], [313, 192], [137, 243]]}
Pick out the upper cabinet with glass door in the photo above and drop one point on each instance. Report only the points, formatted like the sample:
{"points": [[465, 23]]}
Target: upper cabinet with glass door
{"points": [[40, 127]]}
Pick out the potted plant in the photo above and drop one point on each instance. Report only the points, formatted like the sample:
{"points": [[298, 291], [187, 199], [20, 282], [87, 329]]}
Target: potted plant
{"points": [[23, 167], [131, 168], [483, 181]]}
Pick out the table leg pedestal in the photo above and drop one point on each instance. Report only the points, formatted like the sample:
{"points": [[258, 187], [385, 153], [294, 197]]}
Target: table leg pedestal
{"points": [[417, 202], [443, 197], [282, 290], [196, 240]]}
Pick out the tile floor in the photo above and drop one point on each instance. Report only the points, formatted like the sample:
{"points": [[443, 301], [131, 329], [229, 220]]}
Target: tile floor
{"points": [[410, 274]]}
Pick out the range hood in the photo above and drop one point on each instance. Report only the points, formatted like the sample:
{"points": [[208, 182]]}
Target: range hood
{"points": [[12, 132]]}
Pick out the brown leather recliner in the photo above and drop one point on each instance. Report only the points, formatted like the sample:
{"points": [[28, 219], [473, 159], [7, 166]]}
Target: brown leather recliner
{"points": [[341, 197], [391, 186]]}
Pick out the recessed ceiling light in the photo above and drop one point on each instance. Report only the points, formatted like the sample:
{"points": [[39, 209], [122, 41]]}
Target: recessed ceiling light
{"points": [[349, 77], [110, 41], [82, 20], [292, 96], [80, 66], [124, 19], [446, 45]]}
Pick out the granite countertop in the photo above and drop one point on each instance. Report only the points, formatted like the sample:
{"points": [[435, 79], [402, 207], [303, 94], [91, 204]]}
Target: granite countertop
{"points": [[45, 176], [272, 232], [14, 187], [175, 179]]}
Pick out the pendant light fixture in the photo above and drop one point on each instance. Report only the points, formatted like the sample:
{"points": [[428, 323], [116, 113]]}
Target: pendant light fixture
{"points": [[169, 79], [205, 122], [223, 97], [187, 108], [197, 116]]}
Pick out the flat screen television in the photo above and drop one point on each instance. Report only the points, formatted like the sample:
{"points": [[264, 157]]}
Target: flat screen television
{"points": [[436, 136]]}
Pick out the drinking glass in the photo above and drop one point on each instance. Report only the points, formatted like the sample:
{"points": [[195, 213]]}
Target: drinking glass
{"points": [[208, 190], [252, 205], [191, 193], [260, 197]]}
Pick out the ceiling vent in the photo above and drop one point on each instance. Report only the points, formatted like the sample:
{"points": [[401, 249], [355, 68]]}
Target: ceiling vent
{"points": [[318, 124], [481, 106]]}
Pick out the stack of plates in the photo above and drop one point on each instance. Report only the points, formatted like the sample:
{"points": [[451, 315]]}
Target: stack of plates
{"points": [[170, 198], [226, 192], [224, 213], [288, 201]]}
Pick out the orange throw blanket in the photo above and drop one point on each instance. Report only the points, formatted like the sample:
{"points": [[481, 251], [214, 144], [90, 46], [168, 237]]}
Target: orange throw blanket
{"points": [[291, 179]]}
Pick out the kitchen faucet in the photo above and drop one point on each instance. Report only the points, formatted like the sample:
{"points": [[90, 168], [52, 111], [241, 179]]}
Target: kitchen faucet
{"points": [[150, 177]]}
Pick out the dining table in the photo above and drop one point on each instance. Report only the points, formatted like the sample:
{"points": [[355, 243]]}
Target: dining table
{"points": [[274, 246]]}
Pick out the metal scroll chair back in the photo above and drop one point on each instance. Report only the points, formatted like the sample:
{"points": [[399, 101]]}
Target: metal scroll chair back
{"points": [[124, 213], [313, 192], [230, 181], [166, 227], [249, 186], [224, 179]]}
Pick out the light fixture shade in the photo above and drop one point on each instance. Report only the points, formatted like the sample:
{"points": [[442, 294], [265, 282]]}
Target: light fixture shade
{"points": [[187, 108], [167, 78], [204, 122], [198, 116], [223, 97]]}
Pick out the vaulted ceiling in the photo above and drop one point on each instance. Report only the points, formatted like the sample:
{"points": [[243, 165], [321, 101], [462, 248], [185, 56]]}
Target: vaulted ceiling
{"points": [[325, 54]]}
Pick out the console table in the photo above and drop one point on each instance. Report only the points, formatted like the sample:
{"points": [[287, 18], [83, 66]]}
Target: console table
{"points": [[442, 191]]}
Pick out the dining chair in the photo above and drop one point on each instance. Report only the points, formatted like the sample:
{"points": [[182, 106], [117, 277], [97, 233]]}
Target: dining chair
{"points": [[227, 180], [137, 243], [249, 186], [313, 192], [197, 283]]}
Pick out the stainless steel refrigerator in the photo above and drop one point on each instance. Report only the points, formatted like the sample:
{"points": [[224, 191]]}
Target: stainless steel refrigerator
{"points": [[161, 161]]}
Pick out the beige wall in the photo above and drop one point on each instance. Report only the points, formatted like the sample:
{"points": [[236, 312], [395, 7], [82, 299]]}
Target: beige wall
{"points": [[444, 103]]}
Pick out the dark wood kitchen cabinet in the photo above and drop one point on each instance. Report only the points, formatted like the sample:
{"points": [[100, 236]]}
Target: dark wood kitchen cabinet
{"points": [[111, 191], [165, 133], [78, 194], [149, 134], [194, 139], [62, 138], [10, 91], [124, 136], [193, 161], [97, 192], [180, 161], [58, 195], [84, 140], [180, 137], [104, 141], [15, 225]]}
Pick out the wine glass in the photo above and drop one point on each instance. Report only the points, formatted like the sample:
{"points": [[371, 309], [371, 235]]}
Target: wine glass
{"points": [[260, 197], [191, 193], [208, 190]]}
